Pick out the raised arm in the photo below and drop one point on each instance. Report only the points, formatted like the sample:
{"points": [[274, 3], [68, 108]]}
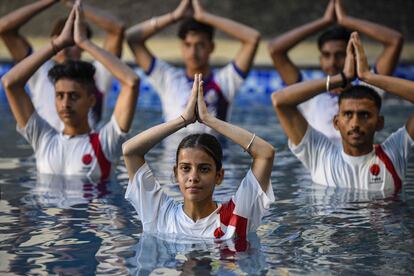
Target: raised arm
{"points": [[391, 39], [112, 25], [400, 87], [125, 106], [248, 36], [15, 80], [261, 151], [10, 24], [138, 34], [281, 45], [286, 101], [135, 148]]}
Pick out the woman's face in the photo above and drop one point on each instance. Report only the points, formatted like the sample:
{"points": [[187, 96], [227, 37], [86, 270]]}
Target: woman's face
{"points": [[197, 174]]}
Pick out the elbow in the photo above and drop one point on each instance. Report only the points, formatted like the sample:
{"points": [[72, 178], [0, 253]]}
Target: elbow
{"points": [[255, 38], [8, 82], [272, 48], [276, 100], [133, 81], [126, 151], [398, 40], [270, 152]]}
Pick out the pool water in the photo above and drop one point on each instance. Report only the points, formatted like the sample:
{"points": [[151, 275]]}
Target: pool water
{"points": [[69, 226]]}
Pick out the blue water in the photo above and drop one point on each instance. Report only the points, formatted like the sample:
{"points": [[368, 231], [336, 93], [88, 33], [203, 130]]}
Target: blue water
{"points": [[69, 226]]}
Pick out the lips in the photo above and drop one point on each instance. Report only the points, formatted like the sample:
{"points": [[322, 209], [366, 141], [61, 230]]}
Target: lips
{"points": [[193, 189]]}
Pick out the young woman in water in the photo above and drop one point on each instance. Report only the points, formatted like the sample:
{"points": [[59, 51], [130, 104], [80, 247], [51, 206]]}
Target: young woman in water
{"points": [[198, 170]]}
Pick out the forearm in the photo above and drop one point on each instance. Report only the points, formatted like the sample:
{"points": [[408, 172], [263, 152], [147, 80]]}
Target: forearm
{"points": [[21, 72], [118, 69], [144, 30], [383, 34], [284, 42], [103, 19], [232, 28], [140, 144], [14, 20], [298, 93], [400, 87], [259, 148]]}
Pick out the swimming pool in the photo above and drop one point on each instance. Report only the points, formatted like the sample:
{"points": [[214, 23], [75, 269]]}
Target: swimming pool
{"points": [[69, 226], [53, 225]]}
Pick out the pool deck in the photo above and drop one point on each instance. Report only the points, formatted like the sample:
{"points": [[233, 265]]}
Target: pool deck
{"points": [[305, 54]]}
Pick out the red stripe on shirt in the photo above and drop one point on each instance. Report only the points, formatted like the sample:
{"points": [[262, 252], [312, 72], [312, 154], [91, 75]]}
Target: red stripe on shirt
{"points": [[390, 167], [104, 164]]}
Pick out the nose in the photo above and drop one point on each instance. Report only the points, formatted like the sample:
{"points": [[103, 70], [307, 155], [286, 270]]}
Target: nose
{"points": [[65, 102], [193, 176], [354, 122]]}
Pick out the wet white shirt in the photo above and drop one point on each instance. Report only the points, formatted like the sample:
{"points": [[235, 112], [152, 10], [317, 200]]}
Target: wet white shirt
{"points": [[329, 165], [160, 213], [57, 153]]}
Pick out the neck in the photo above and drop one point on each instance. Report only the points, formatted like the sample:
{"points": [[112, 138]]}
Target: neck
{"points": [[357, 151], [76, 130], [200, 209], [206, 71]]}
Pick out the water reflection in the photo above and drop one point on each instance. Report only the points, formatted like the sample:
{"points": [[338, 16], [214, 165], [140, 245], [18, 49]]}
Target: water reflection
{"points": [[173, 255]]}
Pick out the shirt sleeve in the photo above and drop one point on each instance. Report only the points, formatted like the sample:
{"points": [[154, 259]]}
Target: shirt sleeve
{"points": [[111, 138], [399, 147], [161, 74], [36, 130], [229, 78], [251, 201], [145, 194], [315, 151], [103, 78]]}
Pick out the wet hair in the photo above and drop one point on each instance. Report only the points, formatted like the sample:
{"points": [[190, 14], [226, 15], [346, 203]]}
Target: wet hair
{"points": [[361, 92], [334, 33], [79, 71], [192, 25], [60, 23], [206, 142]]}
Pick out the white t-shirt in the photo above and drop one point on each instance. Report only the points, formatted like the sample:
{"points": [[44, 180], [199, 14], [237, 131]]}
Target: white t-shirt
{"points": [[329, 165], [160, 213], [88, 155], [174, 89], [43, 94]]}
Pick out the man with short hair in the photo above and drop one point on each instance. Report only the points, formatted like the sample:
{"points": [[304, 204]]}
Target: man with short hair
{"points": [[320, 110], [172, 84], [358, 163], [76, 150], [41, 89]]}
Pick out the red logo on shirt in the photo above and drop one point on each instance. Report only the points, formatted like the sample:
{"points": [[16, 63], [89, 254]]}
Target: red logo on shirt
{"points": [[87, 159], [375, 169], [218, 233]]}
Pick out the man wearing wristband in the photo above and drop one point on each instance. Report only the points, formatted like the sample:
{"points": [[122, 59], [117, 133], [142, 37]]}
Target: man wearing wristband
{"points": [[357, 163], [320, 110], [172, 84]]}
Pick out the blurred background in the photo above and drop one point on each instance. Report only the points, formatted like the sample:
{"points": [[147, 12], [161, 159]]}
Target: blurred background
{"points": [[270, 17]]}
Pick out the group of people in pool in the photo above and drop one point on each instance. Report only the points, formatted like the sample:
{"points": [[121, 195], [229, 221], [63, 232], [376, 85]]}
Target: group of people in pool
{"points": [[61, 119]]}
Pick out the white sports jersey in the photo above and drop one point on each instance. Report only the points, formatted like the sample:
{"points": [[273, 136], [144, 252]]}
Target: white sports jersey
{"points": [[382, 169], [160, 213], [174, 88], [88, 155], [43, 94]]}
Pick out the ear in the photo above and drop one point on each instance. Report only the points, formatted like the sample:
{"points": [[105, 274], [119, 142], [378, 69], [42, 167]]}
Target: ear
{"points": [[380, 123], [335, 122], [219, 177], [213, 46], [92, 100], [175, 171]]}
